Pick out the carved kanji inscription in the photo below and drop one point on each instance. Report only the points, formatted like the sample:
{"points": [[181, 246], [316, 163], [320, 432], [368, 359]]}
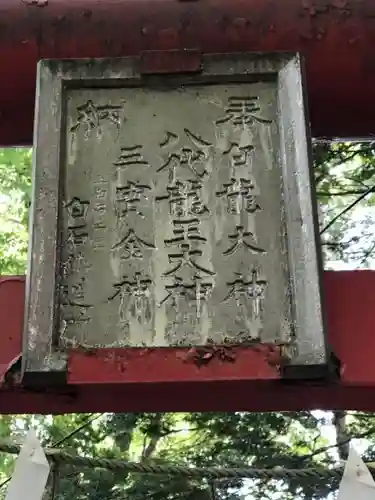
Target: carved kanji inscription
{"points": [[172, 218], [184, 198], [90, 116], [242, 110], [186, 151]]}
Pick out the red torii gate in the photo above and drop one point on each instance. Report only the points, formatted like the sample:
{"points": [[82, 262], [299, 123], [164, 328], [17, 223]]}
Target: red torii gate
{"points": [[336, 37]]}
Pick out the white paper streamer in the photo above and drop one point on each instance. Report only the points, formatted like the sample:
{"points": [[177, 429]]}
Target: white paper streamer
{"points": [[357, 482], [30, 472]]}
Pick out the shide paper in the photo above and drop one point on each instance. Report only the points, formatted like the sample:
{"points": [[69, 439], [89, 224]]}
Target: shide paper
{"points": [[30, 472], [357, 482]]}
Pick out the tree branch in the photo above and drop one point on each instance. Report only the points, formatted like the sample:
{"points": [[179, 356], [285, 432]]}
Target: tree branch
{"points": [[347, 209], [324, 449], [367, 253], [341, 193]]}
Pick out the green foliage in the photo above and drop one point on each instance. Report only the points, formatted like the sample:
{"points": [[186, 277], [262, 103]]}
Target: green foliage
{"points": [[345, 184], [15, 189], [344, 173], [201, 439]]}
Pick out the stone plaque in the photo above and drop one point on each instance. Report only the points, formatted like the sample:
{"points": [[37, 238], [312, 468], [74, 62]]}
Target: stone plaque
{"points": [[174, 214]]}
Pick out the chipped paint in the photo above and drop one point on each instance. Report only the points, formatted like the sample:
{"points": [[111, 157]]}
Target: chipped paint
{"points": [[203, 356], [36, 3], [10, 373]]}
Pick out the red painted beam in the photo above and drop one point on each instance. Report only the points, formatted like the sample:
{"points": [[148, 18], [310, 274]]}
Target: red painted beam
{"points": [[141, 380], [337, 38]]}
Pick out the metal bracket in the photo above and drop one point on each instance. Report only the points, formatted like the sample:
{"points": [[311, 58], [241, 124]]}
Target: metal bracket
{"points": [[54, 374], [330, 371]]}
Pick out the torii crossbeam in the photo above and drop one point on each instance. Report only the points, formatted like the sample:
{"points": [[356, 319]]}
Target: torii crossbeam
{"points": [[335, 36], [336, 39], [159, 382]]}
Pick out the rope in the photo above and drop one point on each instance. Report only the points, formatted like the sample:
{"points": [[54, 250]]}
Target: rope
{"points": [[62, 457]]}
